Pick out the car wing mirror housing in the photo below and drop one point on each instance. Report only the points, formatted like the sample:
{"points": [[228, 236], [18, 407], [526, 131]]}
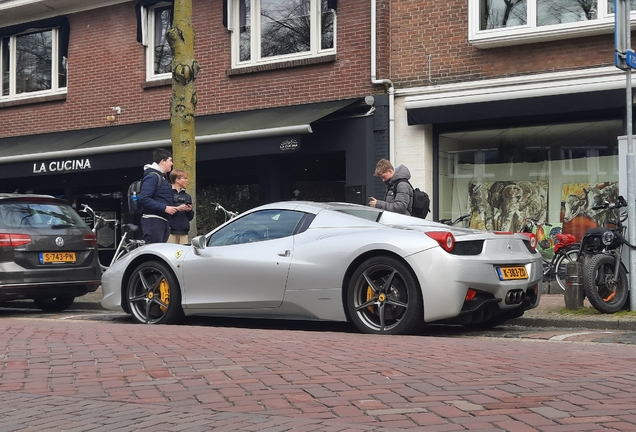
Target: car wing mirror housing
{"points": [[199, 243]]}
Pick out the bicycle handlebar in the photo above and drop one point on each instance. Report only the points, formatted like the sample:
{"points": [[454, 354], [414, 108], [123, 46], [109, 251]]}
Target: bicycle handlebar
{"points": [[220, 207], [97, 218], [620, 202]]}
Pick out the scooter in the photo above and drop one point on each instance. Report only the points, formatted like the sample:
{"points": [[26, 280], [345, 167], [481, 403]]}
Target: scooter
{"points": [[604, 274]]}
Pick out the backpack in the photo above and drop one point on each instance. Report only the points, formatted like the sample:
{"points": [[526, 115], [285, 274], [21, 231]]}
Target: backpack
{"points": [[134, 190], [421, 201]]}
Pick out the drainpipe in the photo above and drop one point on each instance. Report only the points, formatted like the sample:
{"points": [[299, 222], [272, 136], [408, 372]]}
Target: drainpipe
{"points": [[386, 82]]}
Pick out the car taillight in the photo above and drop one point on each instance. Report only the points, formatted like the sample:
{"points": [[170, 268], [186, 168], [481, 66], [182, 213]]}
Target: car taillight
{"points": [[14, 240], [444, 238], [470, 294], [533, 239], [90, 239]]}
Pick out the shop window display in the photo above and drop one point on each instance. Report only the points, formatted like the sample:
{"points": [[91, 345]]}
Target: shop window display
{"points": [[551, 174]]}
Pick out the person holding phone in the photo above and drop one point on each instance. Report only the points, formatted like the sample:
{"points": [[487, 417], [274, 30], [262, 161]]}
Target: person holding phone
{"points": [[180, 223], [399, 193]]}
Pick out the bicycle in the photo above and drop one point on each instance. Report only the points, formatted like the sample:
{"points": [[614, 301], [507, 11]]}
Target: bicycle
{"points": [[228, 214], [566, 250], [126, 244]]}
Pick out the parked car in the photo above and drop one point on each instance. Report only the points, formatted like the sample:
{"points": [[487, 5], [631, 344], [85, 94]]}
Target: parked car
{"points": [[47, 252], [386, 272]]}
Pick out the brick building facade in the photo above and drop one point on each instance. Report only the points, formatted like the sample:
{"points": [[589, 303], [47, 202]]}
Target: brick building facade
{"points": [[509, 115], [478, 100], [304, 123]]}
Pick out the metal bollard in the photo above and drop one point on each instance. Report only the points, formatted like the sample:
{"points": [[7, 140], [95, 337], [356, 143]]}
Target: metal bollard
{"points": [[574, 293]]}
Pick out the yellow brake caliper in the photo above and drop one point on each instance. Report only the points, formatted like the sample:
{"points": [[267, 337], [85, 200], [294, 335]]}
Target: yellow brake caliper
{"points": [[369, 297], [164, 290]]}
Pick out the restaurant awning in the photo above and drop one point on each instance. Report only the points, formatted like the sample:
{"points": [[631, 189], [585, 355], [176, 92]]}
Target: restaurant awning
{"points": [[244, 125]]}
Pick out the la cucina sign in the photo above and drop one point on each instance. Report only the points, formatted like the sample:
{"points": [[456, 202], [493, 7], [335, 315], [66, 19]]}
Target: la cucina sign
{"points": [[62, 166]]}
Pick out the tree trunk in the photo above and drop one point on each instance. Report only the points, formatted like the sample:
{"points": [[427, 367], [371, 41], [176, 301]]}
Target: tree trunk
{"points": [[184, 96]]}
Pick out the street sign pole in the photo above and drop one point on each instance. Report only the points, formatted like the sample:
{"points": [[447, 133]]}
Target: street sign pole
{"points": [[625, 59]]}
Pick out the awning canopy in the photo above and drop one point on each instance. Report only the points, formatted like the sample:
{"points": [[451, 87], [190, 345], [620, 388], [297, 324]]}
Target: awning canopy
{"points": [[509, 108], [244, 125]]}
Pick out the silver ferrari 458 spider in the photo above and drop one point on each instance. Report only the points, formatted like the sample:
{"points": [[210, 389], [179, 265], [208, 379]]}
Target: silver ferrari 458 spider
{"points": [[385, 272]]}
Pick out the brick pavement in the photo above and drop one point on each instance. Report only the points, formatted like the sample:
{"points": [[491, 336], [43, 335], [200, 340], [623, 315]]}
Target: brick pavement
{"points": [[103, 376]]}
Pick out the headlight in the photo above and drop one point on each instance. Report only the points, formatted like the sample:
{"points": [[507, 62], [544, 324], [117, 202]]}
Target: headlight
{"points": [[608, 238]]}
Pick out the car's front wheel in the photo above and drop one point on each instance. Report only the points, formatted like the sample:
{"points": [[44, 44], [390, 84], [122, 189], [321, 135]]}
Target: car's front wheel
{"points": [[54, 304], [384, 297], [153, 294]]}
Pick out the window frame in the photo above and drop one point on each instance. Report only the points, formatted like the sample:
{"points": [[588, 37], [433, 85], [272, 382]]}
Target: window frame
{"points": [[315, 50], [531, 33], [55, 66], [257, 221], [148, 20]]}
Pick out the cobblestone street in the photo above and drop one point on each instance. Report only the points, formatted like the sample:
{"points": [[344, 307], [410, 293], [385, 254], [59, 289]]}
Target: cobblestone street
{"points": [[82, 375]]}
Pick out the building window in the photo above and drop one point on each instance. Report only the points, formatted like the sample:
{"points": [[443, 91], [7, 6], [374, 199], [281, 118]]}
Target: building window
{"points": [[507, 22], [543, 172], [267, 31], [158, 53], [32, 64]]}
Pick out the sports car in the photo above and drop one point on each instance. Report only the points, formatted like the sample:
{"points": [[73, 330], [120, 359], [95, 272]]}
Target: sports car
{"points": [[386, 272]]}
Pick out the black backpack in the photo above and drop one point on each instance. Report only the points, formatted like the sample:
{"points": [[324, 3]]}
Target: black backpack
{"points": [[134, 190], [421, 201]]}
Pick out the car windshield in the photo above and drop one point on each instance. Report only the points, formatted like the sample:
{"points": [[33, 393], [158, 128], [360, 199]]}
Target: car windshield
{"points": [[25, 214]]}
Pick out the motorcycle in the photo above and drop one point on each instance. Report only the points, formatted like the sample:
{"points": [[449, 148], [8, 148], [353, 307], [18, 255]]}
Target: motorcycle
{"points": [[604, 274]]}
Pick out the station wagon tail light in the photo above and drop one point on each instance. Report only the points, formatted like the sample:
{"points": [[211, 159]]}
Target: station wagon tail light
{"points": [[13, 240], [444, 238], [90, 239]]}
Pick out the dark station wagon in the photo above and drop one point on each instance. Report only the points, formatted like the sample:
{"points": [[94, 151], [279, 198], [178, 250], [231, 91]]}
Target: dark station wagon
{"points": [[47, 252]]}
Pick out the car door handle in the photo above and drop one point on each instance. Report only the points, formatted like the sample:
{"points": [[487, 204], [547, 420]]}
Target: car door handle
{"points": [[284, 254]]}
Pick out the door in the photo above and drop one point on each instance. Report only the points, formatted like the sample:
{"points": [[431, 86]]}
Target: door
{"points": [[245, 263]]}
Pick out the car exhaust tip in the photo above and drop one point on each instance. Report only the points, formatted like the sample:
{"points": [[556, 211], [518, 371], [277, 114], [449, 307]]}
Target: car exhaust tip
{"points": [[515, 297]]}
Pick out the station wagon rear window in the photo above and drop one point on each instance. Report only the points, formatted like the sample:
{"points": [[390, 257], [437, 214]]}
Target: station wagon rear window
{"points": [[24, 214]]}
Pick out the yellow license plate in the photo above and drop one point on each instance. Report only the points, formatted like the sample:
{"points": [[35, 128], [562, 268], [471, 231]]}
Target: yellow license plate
{"points": [[57, 257], [509, 273]]}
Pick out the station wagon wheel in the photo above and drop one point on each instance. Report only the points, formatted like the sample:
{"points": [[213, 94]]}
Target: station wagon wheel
{"points": [[384, 297], [54, 304], [153, 294]]}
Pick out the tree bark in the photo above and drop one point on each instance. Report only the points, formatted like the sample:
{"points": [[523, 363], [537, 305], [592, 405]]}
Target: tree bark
{"points": [[184, 96]]}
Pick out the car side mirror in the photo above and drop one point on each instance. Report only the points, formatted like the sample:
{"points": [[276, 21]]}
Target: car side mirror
{"points": [[199, 243]]}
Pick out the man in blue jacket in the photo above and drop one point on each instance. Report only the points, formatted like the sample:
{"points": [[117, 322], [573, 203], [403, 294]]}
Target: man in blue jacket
{"points": [[156, 198]]}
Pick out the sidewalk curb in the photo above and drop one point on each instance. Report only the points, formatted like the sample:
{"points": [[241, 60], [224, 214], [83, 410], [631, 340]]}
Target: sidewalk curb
{"points": [[565, 322], [28, 304]]}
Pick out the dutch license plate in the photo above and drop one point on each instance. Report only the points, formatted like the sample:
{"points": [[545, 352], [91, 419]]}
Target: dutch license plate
{"points": [[509, 273], [57, 257]]}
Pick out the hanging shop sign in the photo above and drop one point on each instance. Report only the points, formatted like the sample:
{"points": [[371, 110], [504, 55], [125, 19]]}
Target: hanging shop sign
{"points": [[289, 144], [62, 166]]}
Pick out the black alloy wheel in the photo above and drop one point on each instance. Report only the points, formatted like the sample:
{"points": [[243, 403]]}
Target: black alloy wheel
{"points": [[153, 294], [384, 297]]}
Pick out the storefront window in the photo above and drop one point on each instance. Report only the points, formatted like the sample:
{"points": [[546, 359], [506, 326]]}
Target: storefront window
{"points": [[552, 174]]}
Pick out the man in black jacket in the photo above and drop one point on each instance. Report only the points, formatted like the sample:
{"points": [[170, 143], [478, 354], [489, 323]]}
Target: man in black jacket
{"points": [[180, 223]]}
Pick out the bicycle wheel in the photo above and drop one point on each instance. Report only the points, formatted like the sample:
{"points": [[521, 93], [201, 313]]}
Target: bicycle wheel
{"points": [[567, 256]]}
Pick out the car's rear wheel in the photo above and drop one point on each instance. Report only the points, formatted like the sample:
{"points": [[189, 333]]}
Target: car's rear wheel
{"points": [[54, 304], [153, 294], [384, 297]]}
